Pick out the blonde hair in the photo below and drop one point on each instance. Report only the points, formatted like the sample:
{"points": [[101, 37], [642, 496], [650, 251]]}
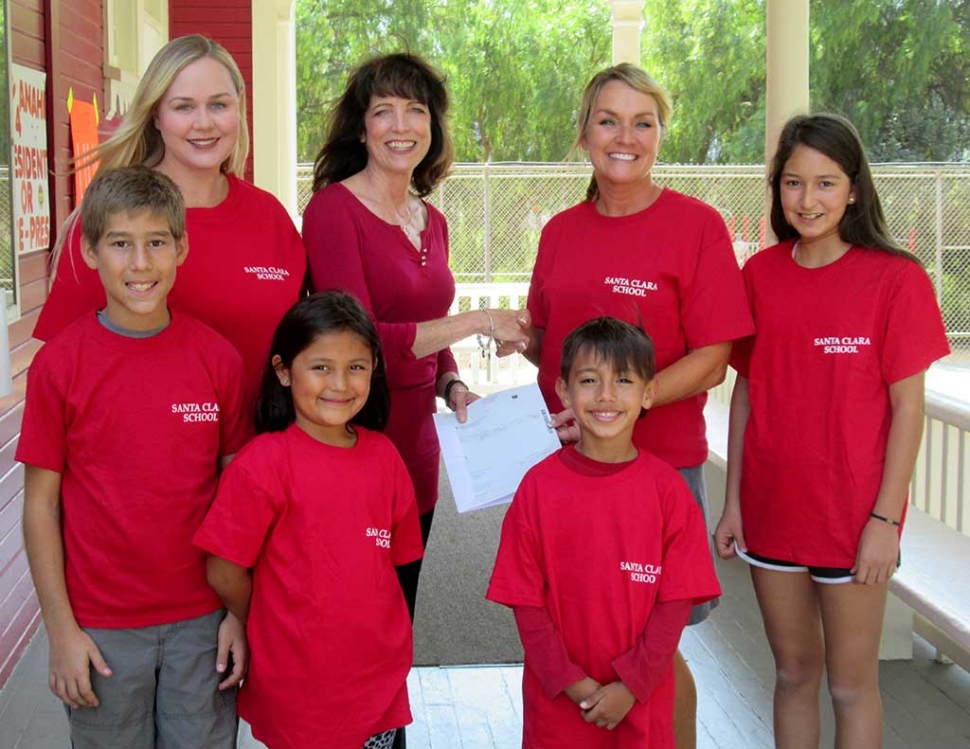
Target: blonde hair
{"points": [[137, 141], [637, 79]]}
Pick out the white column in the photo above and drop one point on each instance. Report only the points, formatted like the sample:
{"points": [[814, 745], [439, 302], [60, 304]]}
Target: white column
{"points": [[787, 90], [273, 99], [627, 24]]}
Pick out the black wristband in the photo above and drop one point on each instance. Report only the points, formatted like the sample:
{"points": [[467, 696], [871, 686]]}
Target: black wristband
{"points": [[448, 386], [884, 519]]}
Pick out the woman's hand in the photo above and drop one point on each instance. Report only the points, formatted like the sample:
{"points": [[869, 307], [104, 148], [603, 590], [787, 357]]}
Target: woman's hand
{"points": [[507, 348], [728, 533], [878, 553], [459, 399], [510, 330], [565, 425]]}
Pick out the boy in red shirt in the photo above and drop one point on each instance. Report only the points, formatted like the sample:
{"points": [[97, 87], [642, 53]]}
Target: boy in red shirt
{"points": [[130, 411], [603, 554]]}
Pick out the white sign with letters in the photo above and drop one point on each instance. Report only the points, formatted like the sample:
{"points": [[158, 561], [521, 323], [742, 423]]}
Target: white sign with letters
{"points": [[28, 130]]}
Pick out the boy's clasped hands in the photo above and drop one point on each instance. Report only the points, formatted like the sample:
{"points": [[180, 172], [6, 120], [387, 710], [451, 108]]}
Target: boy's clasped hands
{"points": [[603, 705]]}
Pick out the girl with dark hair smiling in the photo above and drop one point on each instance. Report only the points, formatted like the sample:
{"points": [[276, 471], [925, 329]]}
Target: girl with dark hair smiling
{"points": [[826, 421], [309, 523]]}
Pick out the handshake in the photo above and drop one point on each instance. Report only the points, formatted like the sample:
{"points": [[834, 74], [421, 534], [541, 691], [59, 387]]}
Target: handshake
{"points": [[510, 329]]}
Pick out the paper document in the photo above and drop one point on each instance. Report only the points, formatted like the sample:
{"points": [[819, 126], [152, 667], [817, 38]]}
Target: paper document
{"points": [[486, 457]]}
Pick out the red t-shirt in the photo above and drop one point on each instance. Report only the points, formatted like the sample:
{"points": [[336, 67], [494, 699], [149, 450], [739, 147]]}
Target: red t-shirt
{"points": [[640, 668], [323, 528], [136, 428], [670, 268], [598, 553], [245, 268], [352, 249], [830, 342]]}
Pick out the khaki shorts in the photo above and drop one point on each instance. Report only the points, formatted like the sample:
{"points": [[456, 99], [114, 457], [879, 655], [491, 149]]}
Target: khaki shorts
{"points": [[163, 691]]}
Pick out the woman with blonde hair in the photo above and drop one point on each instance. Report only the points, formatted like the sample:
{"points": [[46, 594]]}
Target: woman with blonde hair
{"points": [[247, 264], [660, 260]]}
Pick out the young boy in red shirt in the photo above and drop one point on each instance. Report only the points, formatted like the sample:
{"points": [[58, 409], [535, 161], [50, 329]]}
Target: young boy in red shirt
{"points": [[603, 554], [130, 411]]}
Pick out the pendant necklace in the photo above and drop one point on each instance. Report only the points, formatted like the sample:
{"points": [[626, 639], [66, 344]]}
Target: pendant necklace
{"points": [[407, 226]]}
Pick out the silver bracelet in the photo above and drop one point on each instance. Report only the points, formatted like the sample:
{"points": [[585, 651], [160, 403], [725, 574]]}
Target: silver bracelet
{"points": [[485, 341]]}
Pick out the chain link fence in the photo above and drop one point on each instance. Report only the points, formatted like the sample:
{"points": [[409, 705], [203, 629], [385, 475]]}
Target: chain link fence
{"points": [[7, 258], [496, 212]]}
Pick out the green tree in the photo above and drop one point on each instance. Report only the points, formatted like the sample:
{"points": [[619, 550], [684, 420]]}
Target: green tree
{"points": [[332, 37], [711, 58], [899, 69], [515, 68], [519, 67]]}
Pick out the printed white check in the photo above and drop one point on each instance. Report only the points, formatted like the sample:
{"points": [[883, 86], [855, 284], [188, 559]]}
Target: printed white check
{"points": [[486, 457]]}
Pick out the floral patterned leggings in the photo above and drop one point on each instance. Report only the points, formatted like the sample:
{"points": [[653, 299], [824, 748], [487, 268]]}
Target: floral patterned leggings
{"points": [[381, 740]]}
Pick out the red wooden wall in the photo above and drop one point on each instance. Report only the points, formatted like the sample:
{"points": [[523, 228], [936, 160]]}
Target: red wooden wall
{"points": [[19, 613], [63, 37], [76, 61], [229, 22]]}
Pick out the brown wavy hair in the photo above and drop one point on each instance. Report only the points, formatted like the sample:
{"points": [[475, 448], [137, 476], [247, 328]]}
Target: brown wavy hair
{"points": [[401, 74]]}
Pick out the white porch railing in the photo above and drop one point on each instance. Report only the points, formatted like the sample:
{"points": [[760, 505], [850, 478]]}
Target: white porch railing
{"points": [[941, 482]]}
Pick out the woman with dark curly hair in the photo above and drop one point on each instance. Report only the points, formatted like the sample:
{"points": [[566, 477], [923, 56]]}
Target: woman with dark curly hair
{"points": [[369, 231]]}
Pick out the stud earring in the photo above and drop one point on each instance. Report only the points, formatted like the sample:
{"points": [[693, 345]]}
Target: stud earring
{"points": [[851, 200]]}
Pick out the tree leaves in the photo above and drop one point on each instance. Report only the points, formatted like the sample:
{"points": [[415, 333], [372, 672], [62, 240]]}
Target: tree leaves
{"points": [[515, 68], [899, 69]]}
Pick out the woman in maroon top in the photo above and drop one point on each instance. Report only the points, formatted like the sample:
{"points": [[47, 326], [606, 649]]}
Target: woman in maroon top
{"points": [[368, 231]]}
